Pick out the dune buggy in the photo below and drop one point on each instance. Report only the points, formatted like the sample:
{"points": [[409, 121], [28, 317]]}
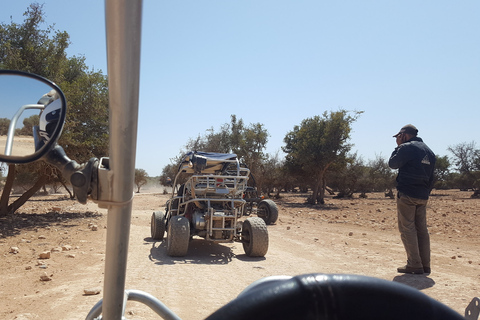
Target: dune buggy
{"points": [[209, 204]]}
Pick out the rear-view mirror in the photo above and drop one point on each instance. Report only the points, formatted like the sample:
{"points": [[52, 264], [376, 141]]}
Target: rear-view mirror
{"points": [[32, 114]]}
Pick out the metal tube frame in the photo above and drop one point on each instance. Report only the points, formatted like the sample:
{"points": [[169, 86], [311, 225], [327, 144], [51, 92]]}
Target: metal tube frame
{"points": [[123, 31], [13, 124]]}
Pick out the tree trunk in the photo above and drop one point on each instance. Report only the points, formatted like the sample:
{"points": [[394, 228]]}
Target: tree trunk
{"points": [[318, 194], [321, 196], [72, 196], [27, 195], [7, 190], [315, 192]]}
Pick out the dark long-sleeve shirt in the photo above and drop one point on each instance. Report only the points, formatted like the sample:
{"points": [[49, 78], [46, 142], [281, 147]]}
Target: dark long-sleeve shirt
{"points": [[415, 163]]}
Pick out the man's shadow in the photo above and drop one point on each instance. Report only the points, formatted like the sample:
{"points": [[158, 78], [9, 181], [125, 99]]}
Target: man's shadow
{"points": [[416, 281]]}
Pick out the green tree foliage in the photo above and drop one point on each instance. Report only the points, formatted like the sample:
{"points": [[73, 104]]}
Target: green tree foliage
{"points": [[167, 178], [4, 124], [357, 176], [85, 134], [381, 177], [347, 176], [211, 141], [30, 47], [274, 177], [442, 172], [141, 178], [247, 142], [466, 158], [28, 124], [317, 143]]}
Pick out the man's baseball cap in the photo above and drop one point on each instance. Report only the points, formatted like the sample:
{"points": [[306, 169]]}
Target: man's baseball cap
{"points": [[409, 128]]}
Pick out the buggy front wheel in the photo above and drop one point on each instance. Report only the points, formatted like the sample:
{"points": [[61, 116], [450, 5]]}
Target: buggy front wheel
{"points": [[268, 211], [255, 237], [178, 236], [157, 225]]}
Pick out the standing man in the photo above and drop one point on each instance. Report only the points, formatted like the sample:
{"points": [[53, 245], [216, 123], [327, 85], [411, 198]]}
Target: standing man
{"points": [[415, 163]]}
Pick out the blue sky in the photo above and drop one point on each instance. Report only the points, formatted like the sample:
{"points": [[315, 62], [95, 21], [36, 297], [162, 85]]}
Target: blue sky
{"points": [[279, 62]]}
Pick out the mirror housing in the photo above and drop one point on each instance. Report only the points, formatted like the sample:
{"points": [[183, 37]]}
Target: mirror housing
{"points": [[21, 91]]}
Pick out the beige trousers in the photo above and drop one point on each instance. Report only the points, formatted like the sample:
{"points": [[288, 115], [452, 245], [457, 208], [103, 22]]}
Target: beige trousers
{"points": [[412, 224]]}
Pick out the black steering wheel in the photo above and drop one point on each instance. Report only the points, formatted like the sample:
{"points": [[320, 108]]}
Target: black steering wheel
{"points": [[334, 297]]}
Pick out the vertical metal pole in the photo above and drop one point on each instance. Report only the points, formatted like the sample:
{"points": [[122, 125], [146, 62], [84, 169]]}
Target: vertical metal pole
{"points": [[123, 25]]}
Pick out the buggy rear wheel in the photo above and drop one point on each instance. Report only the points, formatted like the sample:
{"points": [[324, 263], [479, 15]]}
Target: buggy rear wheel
{"points": [[178, 236], [255, 237], [157, 225], [268, 211]]}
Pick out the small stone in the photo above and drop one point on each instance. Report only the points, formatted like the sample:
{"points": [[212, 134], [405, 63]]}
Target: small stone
{"points": [[67, 247], [70, 255], [94, 228], [45, 255], [45, 277], [92, 291], [56, 249], [14, 250], [350, 234], [28, 268], [42, 237]]}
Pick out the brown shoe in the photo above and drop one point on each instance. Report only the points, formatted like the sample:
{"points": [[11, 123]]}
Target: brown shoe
{"points": [[408, 269]]}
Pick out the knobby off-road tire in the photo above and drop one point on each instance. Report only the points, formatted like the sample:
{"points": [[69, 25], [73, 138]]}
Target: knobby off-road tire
{"points": [[157, 225], [255, 237], [178, 236], [268, 211]]}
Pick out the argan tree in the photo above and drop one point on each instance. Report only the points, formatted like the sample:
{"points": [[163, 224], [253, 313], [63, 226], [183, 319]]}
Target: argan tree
{"points": [[141, 178], [32, 48], [313, 146]]}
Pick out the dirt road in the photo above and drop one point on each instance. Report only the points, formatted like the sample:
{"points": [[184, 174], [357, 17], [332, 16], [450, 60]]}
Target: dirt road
{"points": [[356, 236]]}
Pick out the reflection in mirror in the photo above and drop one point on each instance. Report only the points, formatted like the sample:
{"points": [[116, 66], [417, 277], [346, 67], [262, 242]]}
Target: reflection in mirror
{"points": [[30, 110]]}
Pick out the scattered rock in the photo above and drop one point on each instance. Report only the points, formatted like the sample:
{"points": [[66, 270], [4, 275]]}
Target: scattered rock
{"points": [[94, 227], [350, 233], [92, 291], [67, 247], [45, 277], [14, 250], [70, 255], [42, 237], [45, 255], [56, 249]]}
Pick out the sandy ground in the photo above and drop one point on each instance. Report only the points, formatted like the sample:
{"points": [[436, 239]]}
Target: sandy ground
{"points": [[352, 236], [21, 146]]}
